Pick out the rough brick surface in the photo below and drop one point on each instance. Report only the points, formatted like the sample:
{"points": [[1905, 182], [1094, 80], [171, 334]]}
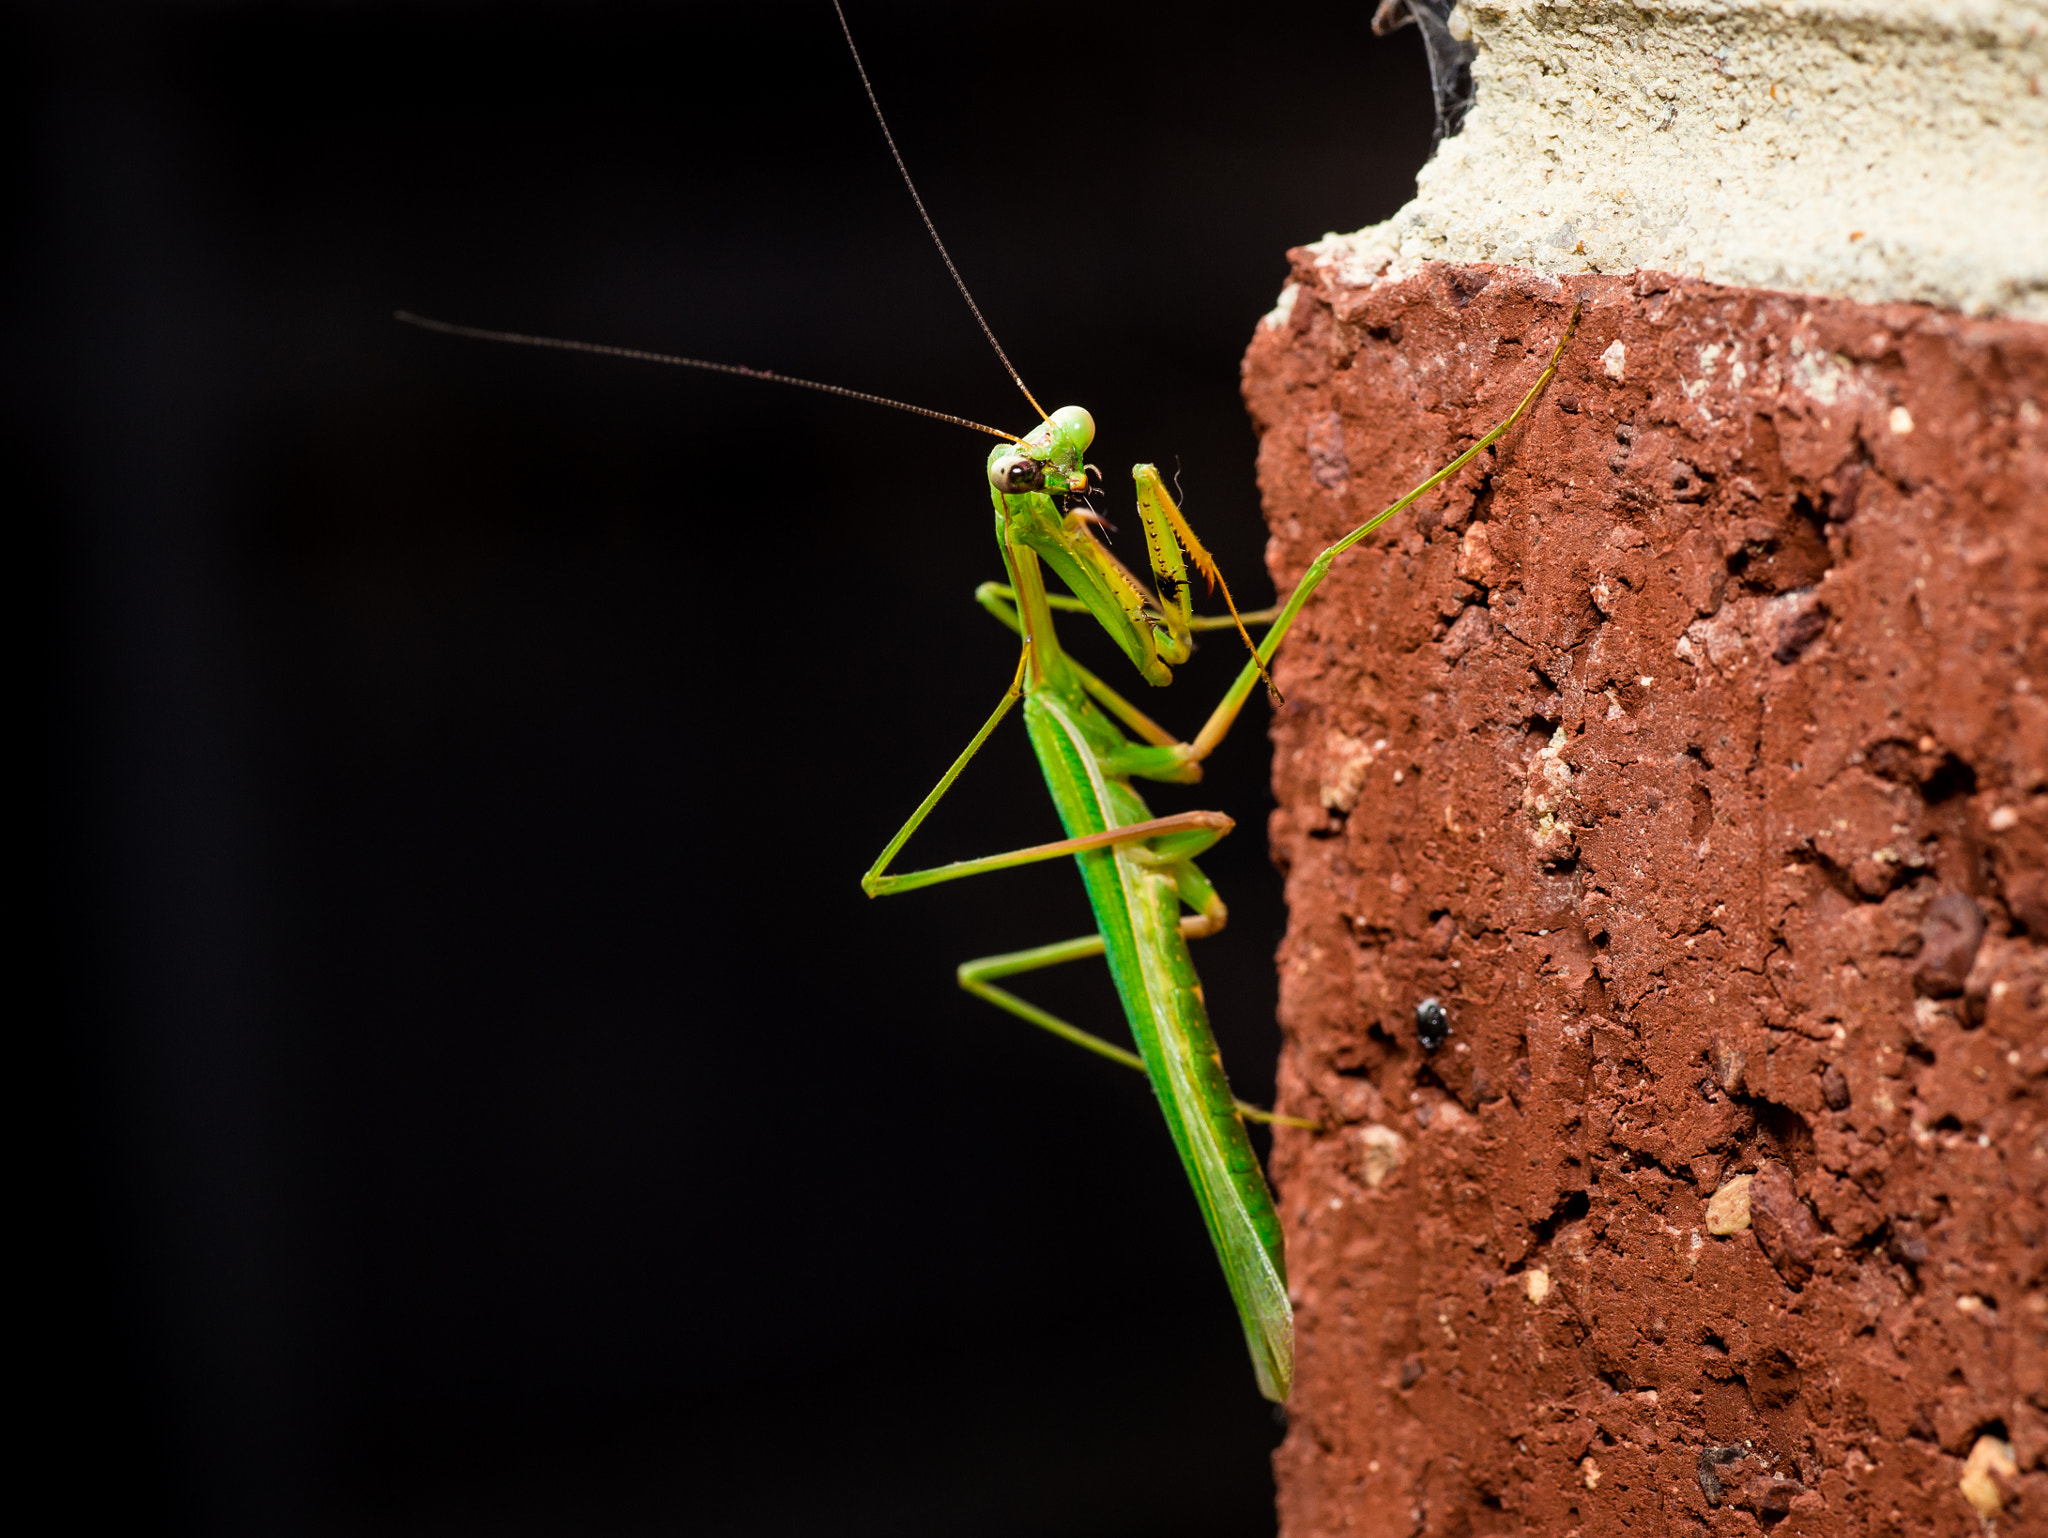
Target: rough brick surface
{"points": [[1692, 749]]}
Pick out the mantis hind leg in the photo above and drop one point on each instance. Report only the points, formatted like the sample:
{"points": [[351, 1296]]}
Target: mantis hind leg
{"points": [[979, 978]]}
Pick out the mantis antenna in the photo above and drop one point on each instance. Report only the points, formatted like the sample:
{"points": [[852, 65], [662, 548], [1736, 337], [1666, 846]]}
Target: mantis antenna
{"points": [[930, 228], [1202, 558], [561, 344]]}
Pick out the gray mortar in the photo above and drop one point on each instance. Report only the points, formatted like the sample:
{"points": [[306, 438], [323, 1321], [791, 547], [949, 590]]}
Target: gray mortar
{"points": [[1874, 151]]}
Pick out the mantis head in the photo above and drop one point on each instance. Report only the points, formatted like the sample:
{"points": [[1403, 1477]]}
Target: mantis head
{"points": [[1048, 458]]}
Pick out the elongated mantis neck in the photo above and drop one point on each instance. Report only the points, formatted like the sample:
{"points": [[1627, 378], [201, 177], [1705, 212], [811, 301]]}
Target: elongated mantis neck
{"points": [[1028, 579]]}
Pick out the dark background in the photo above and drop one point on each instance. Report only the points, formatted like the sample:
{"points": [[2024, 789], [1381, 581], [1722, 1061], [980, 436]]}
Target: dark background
{"points": [[474, 1093]]}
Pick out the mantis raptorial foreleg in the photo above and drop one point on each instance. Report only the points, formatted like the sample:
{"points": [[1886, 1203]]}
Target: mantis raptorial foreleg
{"points": [[1177, 765]]}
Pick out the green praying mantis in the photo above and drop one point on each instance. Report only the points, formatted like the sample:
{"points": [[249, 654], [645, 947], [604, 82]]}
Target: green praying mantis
{"points": [[1149, 897]]}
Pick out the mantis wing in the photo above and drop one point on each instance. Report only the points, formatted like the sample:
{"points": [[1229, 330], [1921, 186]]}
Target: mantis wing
{"points": [[1137, 910], [1229, 1186]]}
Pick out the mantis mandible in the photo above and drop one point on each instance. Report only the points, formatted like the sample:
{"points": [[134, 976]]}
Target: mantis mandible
{"points": [[1148, 896]]}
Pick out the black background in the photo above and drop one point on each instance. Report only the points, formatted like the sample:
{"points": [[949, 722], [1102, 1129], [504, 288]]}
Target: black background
{"points": [[479, 1096]]}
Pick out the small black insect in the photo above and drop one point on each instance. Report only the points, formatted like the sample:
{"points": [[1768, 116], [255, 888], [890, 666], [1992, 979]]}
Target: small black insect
{"points": [[1432, 1024]]}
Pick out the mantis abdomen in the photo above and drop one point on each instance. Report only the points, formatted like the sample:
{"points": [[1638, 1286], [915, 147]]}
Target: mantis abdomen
{"points": [[1137, 903]]}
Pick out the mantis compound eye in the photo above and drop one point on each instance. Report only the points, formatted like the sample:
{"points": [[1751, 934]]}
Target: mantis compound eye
{"points": [[1016, 475]]}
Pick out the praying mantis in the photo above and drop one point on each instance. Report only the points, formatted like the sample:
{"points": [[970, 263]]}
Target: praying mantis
{"points": [[1148, 895]]}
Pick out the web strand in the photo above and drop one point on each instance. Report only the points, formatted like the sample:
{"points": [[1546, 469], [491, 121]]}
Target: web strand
{"points": [[930, 228], [519, 339]]}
